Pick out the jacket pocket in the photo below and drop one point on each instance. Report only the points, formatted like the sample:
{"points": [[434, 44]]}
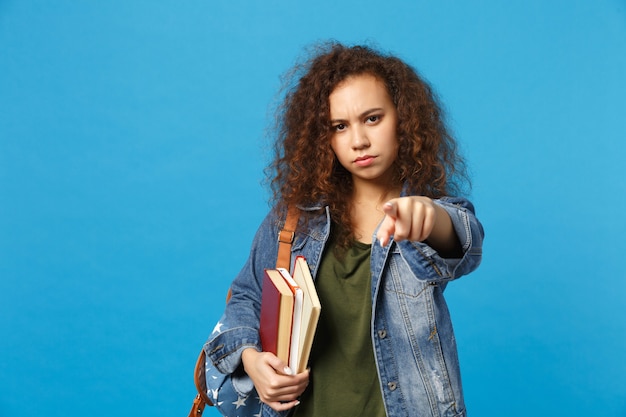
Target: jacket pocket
{"points": [[401, 280]]}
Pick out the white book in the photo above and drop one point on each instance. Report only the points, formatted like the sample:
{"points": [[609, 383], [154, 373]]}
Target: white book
{"points": [[296, 323], [311, 309]]}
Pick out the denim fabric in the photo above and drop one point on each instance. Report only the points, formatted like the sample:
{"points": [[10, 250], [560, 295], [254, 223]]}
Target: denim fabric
{"points": [[412, 334]]}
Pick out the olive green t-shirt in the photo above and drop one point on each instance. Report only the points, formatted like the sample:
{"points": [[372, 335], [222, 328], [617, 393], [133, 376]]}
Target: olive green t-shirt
{"points": [[344, 381]]}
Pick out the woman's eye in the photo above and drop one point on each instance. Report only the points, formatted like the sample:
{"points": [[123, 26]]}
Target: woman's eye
{"points": [[373, 119], [339, 127]]}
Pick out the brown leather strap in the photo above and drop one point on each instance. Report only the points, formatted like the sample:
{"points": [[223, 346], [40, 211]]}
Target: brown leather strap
{"points": [[285, 238], [197, 407], [199, 377], [283, 260]]}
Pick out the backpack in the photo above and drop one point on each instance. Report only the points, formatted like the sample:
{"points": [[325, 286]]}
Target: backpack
{"points": [[285, 239]]}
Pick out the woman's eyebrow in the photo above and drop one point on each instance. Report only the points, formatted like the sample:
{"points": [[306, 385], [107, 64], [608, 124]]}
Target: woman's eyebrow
{"points": [[362, 115], [370, 111]]}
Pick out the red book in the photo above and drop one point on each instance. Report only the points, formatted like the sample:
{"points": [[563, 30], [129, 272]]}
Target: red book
{"points": [[277, 302]]}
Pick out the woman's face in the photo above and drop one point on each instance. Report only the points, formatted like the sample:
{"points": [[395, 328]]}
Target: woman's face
{"points": [[364, 121]]}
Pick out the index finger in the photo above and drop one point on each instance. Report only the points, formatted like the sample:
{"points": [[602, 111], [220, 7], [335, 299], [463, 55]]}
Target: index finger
{"points": [[390, 208], [388, 226]]}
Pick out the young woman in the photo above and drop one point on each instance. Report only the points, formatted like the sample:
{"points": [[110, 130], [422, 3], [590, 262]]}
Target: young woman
{"points": [[363, 152]]}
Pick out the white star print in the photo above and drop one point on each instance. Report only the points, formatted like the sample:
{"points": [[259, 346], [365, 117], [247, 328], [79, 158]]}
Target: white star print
{"points": [[218, 327], [241, 401], [214, 393]]}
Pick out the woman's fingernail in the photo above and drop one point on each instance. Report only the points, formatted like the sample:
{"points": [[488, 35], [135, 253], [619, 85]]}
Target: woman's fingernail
{"points": [[287, 371]]}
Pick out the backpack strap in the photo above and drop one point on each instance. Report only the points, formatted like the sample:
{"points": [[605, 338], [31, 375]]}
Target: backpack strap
{"points": [[285, 238], [283, 260], [199, 378]]}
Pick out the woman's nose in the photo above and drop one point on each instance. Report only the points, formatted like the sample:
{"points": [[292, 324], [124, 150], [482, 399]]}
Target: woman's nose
{"points": [[359, 138]]}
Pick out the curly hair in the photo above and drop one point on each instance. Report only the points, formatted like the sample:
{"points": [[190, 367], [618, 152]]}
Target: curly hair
{"points": [[305, 170]]}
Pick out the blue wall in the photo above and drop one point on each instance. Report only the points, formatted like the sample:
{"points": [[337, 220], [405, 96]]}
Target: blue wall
{"points": [[132, 144]]}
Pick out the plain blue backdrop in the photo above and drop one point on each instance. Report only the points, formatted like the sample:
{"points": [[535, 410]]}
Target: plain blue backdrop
{"points": [[133, 137]]}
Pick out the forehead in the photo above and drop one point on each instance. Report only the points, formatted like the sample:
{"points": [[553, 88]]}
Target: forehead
{"points": [[359, 90]]}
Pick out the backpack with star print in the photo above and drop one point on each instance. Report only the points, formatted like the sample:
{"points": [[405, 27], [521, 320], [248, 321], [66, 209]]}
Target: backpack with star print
{"points": [[219, 390]]}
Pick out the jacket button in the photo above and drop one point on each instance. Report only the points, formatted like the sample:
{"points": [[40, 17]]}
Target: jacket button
{"points": [[382, 333], [392, 386]]}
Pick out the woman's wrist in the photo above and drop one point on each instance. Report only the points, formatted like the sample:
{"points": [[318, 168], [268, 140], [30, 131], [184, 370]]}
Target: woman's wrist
{"points": [[248, 356]]}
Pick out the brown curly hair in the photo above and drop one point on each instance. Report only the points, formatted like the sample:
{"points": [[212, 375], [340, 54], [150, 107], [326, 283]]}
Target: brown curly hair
{"points": [[305, 170]]}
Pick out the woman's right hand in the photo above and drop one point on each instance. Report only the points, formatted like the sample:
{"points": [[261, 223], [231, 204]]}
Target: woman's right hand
{"points": [[273, 380]]}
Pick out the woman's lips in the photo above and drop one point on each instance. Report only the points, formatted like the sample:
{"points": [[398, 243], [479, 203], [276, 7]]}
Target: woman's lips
{"points": [[363, 161]]}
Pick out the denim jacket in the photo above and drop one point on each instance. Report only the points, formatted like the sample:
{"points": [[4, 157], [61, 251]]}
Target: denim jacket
{"points": [[411, 330]]}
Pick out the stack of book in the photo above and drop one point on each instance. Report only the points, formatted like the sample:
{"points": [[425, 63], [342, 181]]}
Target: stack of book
{"points": [[290, 309]]}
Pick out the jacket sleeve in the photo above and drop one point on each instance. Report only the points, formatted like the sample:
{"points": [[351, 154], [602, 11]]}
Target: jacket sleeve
{"points": [[469, 231], [238, 328]]}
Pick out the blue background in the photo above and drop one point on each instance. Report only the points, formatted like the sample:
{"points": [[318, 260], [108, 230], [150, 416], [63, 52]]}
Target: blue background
{"points": [[132, 147]]}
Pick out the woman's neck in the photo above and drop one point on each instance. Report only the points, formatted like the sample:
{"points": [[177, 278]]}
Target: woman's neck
{"points": [[368, 193], [366, 208]]}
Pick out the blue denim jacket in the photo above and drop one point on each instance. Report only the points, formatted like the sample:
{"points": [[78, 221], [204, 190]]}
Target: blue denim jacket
{"points": [[412, 334]]}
